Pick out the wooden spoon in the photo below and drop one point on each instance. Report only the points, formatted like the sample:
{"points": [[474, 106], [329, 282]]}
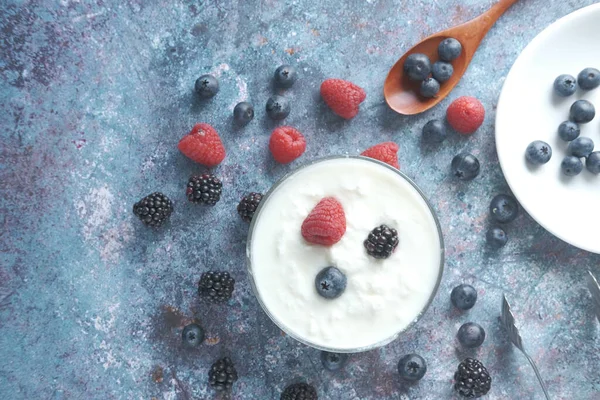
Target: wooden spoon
{"points": [[402, 94]]}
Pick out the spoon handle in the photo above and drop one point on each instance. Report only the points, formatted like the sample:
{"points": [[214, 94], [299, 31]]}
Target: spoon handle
{"points": [[479, 27], [539, 377]]}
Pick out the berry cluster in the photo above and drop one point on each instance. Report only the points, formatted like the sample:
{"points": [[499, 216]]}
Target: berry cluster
{"points": [[418, 67], [539, 152]]}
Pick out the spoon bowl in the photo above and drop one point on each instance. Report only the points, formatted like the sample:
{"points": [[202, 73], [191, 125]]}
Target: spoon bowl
{"points": [[402, 94]]}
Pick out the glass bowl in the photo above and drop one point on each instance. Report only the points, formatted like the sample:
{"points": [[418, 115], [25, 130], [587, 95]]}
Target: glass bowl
{"points": [[282, 326]]}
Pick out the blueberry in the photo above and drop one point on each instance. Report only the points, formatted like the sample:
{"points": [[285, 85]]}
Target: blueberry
{"points": [[504, 208], [278, 107], [192, 335], [285, 76], [581, 147], [564, 85], [449, 49], [243, 113], [589, 79], [206, 86], [417, 66], [496, 238], [582, 111], [568, 131], [463, 297], [429, 87], [412, 367], [465, 166], [434, 131], [333, 361], [330, 283], [442, 71], [471, 335], [592, 162], [571, 165], [538, 152]]}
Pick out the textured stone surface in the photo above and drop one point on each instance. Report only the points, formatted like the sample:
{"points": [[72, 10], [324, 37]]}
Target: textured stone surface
{"points": [[94, 97]]}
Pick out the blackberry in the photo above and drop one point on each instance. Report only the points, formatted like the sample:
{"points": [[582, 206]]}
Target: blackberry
{"points": [[222, 374], [248, 206], [216, 286], [382, 242], [471, 379], [153, 209], [205, 188], [299, 391]]}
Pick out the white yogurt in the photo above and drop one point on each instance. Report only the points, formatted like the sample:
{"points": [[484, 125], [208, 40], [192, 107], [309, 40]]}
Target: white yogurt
{"points": [[382, 297]]}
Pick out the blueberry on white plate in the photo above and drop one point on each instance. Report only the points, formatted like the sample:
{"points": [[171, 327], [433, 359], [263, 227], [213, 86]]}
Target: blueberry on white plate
{"points": [[588, 79], [592, 162], [582, 112], [565, 85], [581, 147], [538, 152], [568, 130], [571, 165]]}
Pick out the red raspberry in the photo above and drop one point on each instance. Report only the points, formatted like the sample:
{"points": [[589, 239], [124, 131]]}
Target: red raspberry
{"points": [[342, 97], [203, 145], [465, 114], [286, 144], [326, 223], [386, 152]]}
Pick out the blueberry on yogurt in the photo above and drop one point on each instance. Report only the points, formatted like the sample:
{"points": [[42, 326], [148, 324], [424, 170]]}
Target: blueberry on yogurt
{"points": [[330, 283]]}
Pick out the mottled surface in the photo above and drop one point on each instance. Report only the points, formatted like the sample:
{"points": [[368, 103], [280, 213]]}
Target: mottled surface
{"points": [[94, 97]]}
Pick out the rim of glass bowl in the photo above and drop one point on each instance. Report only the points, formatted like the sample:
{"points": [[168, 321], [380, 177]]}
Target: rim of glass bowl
{"points": [[285, 328]]}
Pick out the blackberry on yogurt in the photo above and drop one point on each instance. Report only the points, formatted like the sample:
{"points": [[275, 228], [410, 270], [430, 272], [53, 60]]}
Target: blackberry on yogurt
{"points": [[381, 242]]}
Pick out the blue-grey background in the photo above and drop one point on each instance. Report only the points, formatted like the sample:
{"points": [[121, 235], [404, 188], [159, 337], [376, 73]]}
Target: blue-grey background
{"points": [[94, 98]]}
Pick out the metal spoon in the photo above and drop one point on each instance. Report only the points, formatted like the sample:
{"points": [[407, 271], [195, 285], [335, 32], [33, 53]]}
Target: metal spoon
{"points": [[508, 321]]}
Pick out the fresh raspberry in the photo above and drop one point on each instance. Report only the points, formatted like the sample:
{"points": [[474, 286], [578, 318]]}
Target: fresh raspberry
{"points": [[203, 145], [326, 223], [465, 114], [342, 97], [286, 144], [386, 152]]}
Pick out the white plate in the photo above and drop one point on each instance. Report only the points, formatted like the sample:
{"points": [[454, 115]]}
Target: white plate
{"points": [[528, 110]]}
